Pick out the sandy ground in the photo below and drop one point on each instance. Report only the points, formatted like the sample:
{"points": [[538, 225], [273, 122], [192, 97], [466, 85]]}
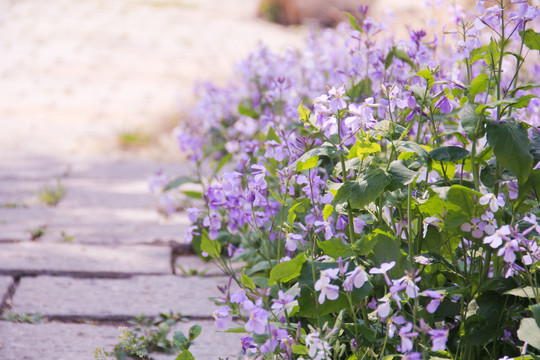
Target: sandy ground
{"points": [[76, 75]]}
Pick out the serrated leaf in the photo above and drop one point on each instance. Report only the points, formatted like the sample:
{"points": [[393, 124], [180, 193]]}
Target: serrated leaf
{"points": [[308, 164], [526, 292], [211, 247], [247, 282], [449, 153], [428, 76], [478, 85], [287, 270], [303, 112], [510, 145], [335, 248], [324, 150], [536, 313], [365, 148], [362, 191], [400, 175], [529, 332], [469, 121], [327, 211], [531, 39], [518, 103]]}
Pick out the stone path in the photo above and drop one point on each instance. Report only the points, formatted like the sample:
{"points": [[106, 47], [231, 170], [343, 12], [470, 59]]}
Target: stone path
{"points": [[104, 257]]}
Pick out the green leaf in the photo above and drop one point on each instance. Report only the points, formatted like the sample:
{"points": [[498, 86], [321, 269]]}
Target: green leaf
{"points": [[518, 103], [536, 313], [194, 332], [462, 205], [237, 330], [403, 56], [303, 112], [173, 184], [327, 211], [529, 332], [308, 164], [428, 76], [247, 111], [247, 282], [470, 121], [335, 248], [449, 153], [287, 270], [478, 85], [365, 148], [193, 194], [292, 212], [211, 247], [510, 145], [362, 191], [526, 292], [300, 349], [325, 150], [353, 21], [400, 175], [492, 54], [531, 39], [180, 340], [185, 355], [272, 135]]}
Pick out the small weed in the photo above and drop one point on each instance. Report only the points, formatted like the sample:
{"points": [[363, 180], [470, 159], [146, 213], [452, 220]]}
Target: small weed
{"points": [[135, 138], [191, 271], [51, 195], [37, 233], [67, 238], [9, 205], [23, 318], [149, 336]]}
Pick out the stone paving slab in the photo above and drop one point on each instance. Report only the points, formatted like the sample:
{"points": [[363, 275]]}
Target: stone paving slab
{"points": [[54, 341], [35, 256], [59, 341], [5, 282], [142, 294]]}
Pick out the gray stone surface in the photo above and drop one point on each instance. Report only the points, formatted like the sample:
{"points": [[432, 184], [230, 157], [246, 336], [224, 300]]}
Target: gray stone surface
{"points": [[5, 282], [58, 341], [54, 341], [84, 258], [142, 294]]}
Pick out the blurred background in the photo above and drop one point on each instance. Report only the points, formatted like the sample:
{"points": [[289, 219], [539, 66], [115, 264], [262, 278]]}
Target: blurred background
{"points": [[95, 77]]}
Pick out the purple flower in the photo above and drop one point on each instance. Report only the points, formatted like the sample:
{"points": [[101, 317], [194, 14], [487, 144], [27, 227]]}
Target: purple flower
{"points": [[439, 337], [474, 227], [280, 304], [383, 269], [327, 227], [239, 297], [258, 318], [496, 239], [436, 299], [222, 317], [323, 285], [406, 334], [355, 279], [290, 242], [444, 105], [493, 201], [248, 344]]}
